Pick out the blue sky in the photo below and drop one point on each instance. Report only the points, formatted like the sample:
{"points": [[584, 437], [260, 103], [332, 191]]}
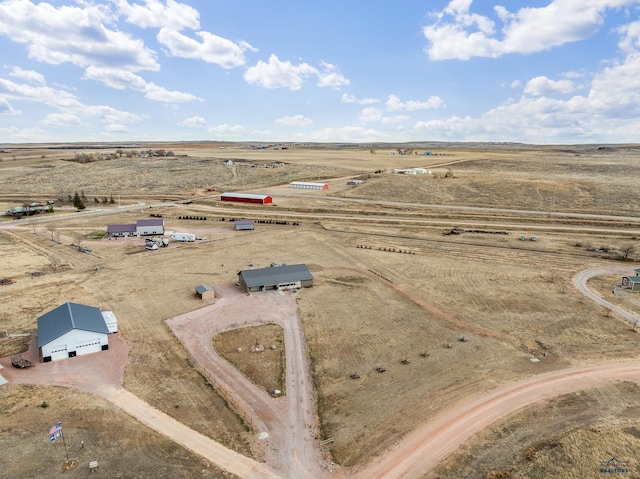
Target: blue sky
{"points": [[554, 71]]}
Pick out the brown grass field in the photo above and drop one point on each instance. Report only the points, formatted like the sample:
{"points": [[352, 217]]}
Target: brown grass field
{"points": [[369, 306], [265, 368]]}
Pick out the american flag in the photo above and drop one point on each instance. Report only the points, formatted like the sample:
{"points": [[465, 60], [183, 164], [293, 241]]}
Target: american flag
{"points": [[56, 428], [55, 432]]}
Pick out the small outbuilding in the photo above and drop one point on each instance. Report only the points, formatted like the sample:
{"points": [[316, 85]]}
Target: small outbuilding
{"points": [[241, 225], [205, 292], [71, 330], [246, 198], [111, 321], [284, 277]]}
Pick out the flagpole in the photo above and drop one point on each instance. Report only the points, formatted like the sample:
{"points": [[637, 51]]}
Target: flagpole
{"points": [[66, 453]]}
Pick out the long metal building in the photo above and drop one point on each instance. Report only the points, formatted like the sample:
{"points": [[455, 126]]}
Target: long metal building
{"points": [[246, 198], [306, 185], [283, 277]]}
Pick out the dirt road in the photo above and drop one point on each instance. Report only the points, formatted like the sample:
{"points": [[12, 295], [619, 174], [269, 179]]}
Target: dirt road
{"points": [[286, 427], [290, 421], [580, 282], [424, 448]]}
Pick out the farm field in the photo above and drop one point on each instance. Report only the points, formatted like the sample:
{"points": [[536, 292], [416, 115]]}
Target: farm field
{"points": [[466, 312]]}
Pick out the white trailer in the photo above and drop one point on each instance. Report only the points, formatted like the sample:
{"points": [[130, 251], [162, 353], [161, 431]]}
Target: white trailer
{"points": [[183, 237]]}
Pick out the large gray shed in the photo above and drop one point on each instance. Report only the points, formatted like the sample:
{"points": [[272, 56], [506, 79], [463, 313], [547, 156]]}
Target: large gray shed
{"points": [[283, 277], [71, 330]]}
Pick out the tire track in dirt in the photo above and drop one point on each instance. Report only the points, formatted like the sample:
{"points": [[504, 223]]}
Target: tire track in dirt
{"points": [[424, 448]]}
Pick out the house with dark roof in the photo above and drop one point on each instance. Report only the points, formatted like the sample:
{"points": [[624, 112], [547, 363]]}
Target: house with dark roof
{"points": [[284, 277], [71, 330], [632, 282], [120, 231], [154, 226]]}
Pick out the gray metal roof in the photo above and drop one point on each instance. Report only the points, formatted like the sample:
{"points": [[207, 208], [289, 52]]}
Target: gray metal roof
{"points": [[276, 275], [203, 288], [151, 222], [69, 316]]}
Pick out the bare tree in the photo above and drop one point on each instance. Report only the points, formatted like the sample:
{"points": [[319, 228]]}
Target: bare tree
{"points": [[51, 227], [627, 250]]}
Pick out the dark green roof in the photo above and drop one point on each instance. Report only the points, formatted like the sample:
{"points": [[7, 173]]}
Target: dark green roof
{"points": [[203, 288], [275, 275]]}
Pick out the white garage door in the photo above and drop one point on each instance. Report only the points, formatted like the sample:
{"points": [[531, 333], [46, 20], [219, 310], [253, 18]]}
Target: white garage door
{"points": [[59, 352], [88, 347]]}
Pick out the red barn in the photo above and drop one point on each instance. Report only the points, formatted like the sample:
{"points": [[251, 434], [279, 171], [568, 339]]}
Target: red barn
{"points": [[247, 198]]}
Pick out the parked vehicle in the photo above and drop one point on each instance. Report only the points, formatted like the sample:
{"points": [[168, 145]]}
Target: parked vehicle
{"points": [[20, 362], [151, 246], [183, 237], [160, 242]]}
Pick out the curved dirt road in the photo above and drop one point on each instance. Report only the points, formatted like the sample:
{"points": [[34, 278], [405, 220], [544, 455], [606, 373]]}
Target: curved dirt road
{"points": [[580, 282], [101, 374], [290, 421], [424, 448]]}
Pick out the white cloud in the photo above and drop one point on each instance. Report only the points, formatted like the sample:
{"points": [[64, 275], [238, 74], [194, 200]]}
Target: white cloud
{"points": [[158, 93], [6, 108], [193, 122], [296, 120], [542, 86], [211, 48], [32, 134], [346, 98], [226, 129], [394, 104], [156, 14], [120, 80], [279, 74], [72, 34], [370, 115], [630, 41], [62, 119], [28, 75], [63, 101], [115, 78], [330, 76], [609, 112], [395, 119], [458, 34], [115, 128]]}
